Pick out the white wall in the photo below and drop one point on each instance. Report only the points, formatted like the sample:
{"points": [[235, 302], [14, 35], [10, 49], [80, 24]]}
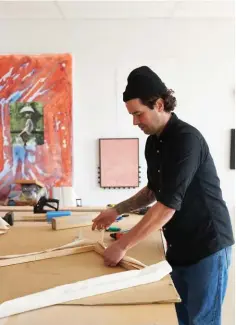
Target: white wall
{"points": [[193, 56]]}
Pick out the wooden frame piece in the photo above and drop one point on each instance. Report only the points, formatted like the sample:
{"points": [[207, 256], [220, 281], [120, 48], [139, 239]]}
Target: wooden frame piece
{"points": [[71, 222], [76, 219], [29, 182], [77, 247], [27, 208], [20, 216]]}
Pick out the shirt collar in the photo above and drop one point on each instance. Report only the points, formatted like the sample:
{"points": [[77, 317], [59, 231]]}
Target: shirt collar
{"points": [[169, 126]]}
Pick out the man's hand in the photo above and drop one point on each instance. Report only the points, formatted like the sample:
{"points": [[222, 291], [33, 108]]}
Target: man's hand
{"points": [[105, 219], [114, 254]]}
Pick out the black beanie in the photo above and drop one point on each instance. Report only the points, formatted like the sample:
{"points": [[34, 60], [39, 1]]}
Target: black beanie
{"points": [[143, 83]]}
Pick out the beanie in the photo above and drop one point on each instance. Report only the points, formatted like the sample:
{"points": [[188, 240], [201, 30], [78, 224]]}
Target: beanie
{"points": [[143, 83]]}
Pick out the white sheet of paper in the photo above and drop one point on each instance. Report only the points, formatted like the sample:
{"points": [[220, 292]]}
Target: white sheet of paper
{"points": [[86, 288], [4, 226]]}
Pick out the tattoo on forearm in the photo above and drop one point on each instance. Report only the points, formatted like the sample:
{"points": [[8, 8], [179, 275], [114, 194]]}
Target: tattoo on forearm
{"points": [[139, 200]]}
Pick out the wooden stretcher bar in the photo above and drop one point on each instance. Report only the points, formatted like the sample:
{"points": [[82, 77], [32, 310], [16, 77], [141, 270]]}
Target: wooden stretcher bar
{"points": [[4, 208], [127, 262]]}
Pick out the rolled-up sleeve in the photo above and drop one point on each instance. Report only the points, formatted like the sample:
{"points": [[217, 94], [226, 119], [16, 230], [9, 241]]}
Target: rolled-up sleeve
{"points": [[183, 164]]}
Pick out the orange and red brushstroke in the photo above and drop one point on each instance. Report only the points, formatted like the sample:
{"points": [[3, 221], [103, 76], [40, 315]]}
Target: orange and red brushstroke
{"points": [[46, 79]]}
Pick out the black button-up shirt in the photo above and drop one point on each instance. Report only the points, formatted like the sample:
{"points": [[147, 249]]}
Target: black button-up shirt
{"points": [[182, 174]]}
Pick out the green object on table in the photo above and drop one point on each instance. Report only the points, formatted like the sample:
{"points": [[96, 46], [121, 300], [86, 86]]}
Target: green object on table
{"points": [[113, 229]]}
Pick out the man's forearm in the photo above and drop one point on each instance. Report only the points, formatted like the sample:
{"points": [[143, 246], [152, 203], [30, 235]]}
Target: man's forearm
{"points": [[139, 200], [154, 219]]}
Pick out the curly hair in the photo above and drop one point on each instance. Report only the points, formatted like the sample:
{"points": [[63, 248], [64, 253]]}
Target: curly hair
{"points": [[169, 101]]}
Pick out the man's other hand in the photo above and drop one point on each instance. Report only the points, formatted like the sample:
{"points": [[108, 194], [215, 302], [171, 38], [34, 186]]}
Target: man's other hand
{"points": [[104, 219]]}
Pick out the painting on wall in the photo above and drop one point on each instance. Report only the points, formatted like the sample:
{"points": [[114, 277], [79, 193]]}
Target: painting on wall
{"points": [[35, 120], [27, 123], [119, 162], [232, 149]]}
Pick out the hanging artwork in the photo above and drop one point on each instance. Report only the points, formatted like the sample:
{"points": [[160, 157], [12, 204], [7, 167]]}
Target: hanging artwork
{"points": [[35, 120], [119, 162], [232, 149], [27, 122]]}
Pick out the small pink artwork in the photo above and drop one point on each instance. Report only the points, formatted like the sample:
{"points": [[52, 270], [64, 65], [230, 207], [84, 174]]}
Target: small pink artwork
{"points": [[119, 162]]}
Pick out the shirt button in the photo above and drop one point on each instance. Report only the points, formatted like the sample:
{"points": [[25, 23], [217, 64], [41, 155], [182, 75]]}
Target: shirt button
{"points": [[161, 141], [158, 151], [164, 229], [158, 170], [170, 245], [159, 191]]}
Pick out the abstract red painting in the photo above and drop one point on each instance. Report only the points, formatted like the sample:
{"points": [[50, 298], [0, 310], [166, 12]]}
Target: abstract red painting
{"points": [[35, 119]]}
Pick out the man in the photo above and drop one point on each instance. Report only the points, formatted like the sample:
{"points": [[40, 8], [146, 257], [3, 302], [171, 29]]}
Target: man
{"points": [[183, 181]]}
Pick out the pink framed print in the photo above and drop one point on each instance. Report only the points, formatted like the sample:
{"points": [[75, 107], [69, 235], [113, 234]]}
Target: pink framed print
{"points": [[119, 162]]}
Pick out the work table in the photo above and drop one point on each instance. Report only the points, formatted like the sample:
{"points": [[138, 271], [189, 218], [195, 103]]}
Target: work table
{"points": [[150, 251]]}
